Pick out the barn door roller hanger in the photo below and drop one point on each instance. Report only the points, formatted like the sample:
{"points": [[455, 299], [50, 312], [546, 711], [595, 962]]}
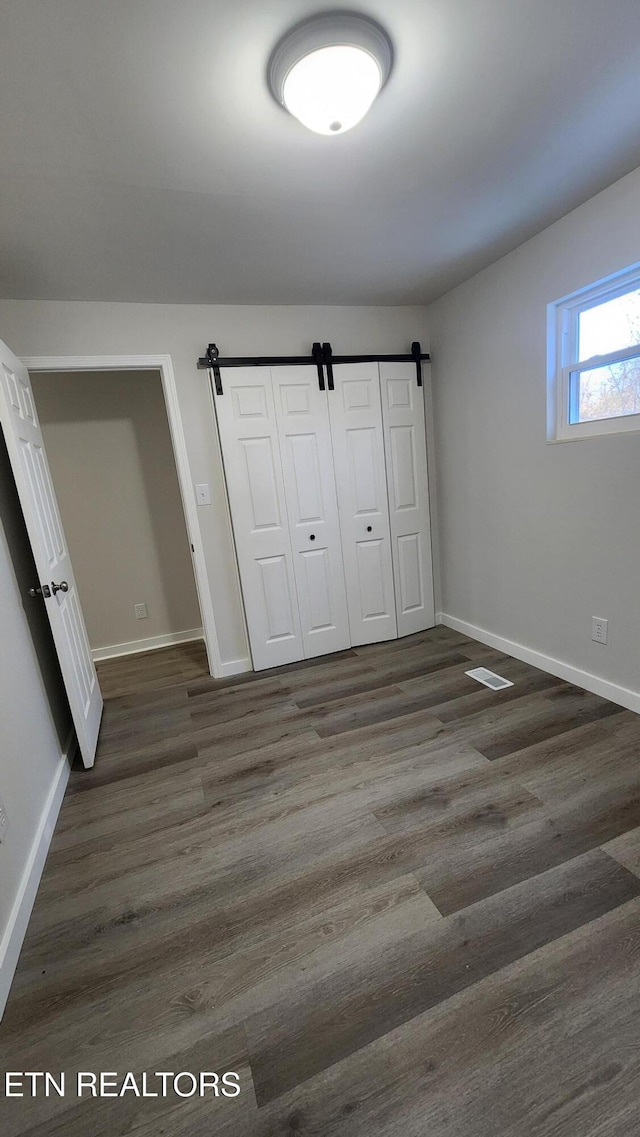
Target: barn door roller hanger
{"points": [[322, 358]]}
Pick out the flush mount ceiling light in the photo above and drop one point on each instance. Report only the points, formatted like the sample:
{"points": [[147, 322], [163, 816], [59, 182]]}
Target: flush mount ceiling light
{"points": [[328, 70]]}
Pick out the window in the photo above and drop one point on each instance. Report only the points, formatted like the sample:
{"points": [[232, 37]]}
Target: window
{"points": [[594, 359]]}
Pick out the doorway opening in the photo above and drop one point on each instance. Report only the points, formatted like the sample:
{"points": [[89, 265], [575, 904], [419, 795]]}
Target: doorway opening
{"points": [[112, 454]]}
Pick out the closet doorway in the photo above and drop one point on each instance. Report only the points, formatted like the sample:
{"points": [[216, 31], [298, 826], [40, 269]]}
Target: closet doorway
{"points": [[329, 501], [108, 446], [44, 368]]}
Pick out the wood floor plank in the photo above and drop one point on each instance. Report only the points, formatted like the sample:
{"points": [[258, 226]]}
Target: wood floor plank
{"points": [[475, 796], [329, 1020], [253, 975], [546, 1046], [602, 752], [568, 708], [364, 681], [361, 710], [463, 873], [240, 736], [151, 759]]}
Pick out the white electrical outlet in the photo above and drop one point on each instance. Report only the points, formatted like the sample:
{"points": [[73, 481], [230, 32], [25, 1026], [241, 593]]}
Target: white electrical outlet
{"points": [[4, 822], [140, 611], [599, 629]]}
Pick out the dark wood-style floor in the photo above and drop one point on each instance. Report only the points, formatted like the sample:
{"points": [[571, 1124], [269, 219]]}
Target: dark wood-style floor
{"points": [[395, 902]]}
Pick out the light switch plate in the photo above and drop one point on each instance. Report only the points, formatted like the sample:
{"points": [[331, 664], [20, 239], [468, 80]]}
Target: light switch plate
{"points": [[203, 493]]}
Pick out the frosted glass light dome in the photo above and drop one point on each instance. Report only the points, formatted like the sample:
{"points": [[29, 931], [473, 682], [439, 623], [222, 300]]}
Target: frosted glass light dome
{"points": [[327, 71], [330, 90]]}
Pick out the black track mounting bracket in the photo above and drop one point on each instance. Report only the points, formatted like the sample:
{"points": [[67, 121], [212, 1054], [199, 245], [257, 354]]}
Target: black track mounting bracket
{"points": [[212, 358], [327, 353], [317, 354], [416, 352]]}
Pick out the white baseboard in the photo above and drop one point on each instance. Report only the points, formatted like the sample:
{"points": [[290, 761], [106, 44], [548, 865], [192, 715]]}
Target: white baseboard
{"points": [[111, 651], [235, 667], [15, 931], [621, 695]]}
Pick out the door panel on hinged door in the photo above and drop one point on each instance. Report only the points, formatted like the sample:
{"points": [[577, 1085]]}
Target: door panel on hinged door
{"points": [[251, 455], [405, 443], [358, 451], [307, 462], [57, 582]]}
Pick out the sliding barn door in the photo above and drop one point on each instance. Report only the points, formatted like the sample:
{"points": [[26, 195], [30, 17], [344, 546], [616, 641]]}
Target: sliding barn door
{"points": [[407, 479], [359, 461], [251, 454], [302, 415], [56, 585]]}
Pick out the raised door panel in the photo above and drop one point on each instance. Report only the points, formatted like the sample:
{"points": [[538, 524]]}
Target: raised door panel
{"points": [[408, 489], [307, 463], [42, 517], [261, 482], [316, 565], [251, 454], [302, 465], [359, 460], [279, 609], [364, 482], [374, 595]]}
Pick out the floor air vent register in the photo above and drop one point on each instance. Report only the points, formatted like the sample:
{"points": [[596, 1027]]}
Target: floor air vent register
{"points": [[489, 678]]}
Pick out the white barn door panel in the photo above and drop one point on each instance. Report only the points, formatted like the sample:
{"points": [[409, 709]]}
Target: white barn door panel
{"points": [[307, 463], [405, 443], [251, 455], [359, 460], [42, 518]]}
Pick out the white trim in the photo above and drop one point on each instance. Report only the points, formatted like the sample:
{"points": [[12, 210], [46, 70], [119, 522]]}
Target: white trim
{"points": [[617, 424], [152, 643], [563, 362], [237, 666], [164, 365], [621, 695], [15, 931]]}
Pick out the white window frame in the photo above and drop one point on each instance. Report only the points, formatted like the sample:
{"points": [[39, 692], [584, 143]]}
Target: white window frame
{"points": [[562, 339]]}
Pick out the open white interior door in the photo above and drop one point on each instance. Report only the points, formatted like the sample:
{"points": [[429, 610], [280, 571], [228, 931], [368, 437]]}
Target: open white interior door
{"points": [[37, 498]]}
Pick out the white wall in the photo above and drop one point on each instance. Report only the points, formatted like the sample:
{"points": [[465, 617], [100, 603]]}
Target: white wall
{"points": [[35, 726], [183, 331], [535, 538], [109, 449]]}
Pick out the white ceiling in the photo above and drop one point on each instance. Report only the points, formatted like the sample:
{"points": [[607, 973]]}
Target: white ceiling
{"points": [[143, 159]]}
